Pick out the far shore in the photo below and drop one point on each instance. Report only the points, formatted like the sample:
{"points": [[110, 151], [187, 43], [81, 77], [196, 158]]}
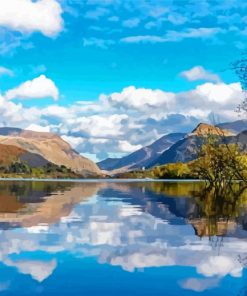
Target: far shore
{"points": [[101, 180]]}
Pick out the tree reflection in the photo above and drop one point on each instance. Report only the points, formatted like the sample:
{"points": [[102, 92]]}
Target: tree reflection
{"points": [[218, 209]]}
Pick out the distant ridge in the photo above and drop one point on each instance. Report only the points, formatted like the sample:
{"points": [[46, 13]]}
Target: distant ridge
{"points": [[187, 149], [142, 157], [234, 127]]}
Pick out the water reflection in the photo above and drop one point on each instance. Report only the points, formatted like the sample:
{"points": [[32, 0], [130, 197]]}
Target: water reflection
{"points": [[160, 238]]}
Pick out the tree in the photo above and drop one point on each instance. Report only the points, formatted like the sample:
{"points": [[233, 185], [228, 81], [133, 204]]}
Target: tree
{"points": [[19, 168], [219, 163], [177, 170]]}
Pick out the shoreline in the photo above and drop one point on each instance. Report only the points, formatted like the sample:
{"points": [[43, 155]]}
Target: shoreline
{"points": [[91, 180]]}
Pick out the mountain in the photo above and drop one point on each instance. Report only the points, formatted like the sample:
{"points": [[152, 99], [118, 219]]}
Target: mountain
{"points": [[109, 164], [142, 157], [47, 146], [235, 127], [241, 139], [204, 129], [187, 149], [10, 154]]}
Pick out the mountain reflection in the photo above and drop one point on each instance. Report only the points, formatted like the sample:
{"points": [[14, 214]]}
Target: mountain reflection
{"points": [[132, 225]]}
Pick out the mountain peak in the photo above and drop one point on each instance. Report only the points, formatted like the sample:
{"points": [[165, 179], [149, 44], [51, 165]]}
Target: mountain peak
{"points": [[204, 129]]}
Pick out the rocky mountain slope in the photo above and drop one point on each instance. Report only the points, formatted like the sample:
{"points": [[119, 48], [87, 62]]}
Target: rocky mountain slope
{"points": [[204, 129], [142, 157], [10, 154], [176, 147], [187, 149], [49, 147]]}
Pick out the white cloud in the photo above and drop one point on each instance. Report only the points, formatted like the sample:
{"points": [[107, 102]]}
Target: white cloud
{"points": [[173, 36], [125, 146], [141, 99], [73, 141], [200, 285], [123, 121], [39, 87], [199, 73], [130, 262], [14, 114], [220, 266], [144, 39], [39, 270], [192, 33], [27, 16], [5, 71], [220, 93], [38, 128], [101, 125]]}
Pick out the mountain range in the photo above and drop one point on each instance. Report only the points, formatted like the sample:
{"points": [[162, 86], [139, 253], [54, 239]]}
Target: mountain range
{"points": [[142, 157], [45, 149], [39, 148], [178, 147]]}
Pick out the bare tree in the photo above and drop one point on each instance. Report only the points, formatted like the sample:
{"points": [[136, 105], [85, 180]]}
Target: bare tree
{"points": [[240, 68]]}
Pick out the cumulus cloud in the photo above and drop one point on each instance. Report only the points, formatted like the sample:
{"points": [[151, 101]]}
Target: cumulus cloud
{"points": [[199, 73], [27, 16], [143, 115], [141, 99], [38, 128], [40, 87], [14, 114], [121, 122], [100, 125], [220, 93]]}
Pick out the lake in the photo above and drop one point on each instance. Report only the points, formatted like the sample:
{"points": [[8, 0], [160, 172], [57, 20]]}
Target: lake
{"points": [[120, 238]]}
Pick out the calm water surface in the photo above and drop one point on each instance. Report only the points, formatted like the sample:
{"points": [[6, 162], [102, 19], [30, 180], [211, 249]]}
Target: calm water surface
{"points": [[66, 238]]}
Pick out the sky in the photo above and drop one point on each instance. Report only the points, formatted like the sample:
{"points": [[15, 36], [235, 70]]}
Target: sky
{"points": [[111, 76]]}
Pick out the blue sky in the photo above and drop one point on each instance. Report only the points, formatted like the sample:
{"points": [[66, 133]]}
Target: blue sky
{"points": [[110, 76]]}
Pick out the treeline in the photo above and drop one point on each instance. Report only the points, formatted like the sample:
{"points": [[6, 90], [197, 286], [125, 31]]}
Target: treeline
{"points": [[50, 170], [177, 170], [218, 164]]}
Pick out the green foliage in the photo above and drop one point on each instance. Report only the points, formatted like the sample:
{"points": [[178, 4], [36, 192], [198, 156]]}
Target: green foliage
{"points": [[50, 170], [219, 164], [177, 170]]}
